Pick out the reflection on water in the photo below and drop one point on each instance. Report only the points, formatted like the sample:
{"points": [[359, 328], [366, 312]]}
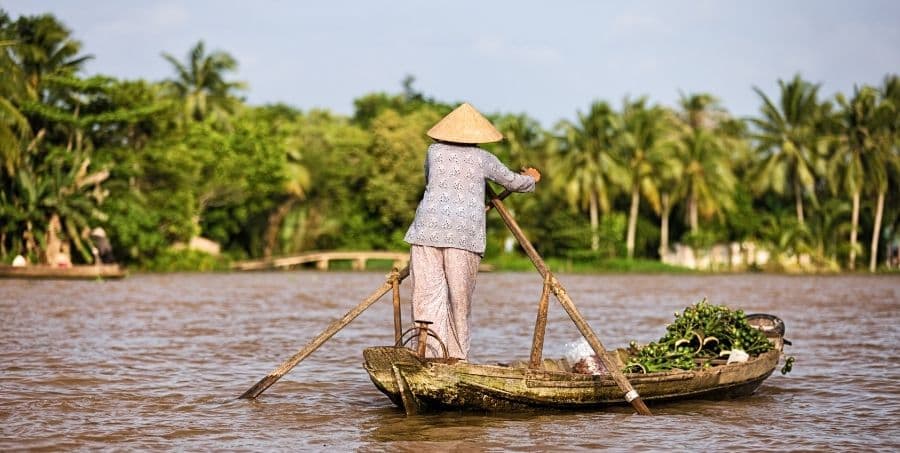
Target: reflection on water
{"points": [[156, 361]]}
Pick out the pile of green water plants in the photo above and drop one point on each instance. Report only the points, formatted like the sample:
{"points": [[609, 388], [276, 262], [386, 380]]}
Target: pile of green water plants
{"points": [[703, 331]]}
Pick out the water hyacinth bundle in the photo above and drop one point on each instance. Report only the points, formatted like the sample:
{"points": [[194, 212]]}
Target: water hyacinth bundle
{"points": [[701, 331]]}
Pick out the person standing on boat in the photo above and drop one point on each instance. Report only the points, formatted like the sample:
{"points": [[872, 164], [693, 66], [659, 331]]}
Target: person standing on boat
{"points": [[102, 250], [447, 236]]}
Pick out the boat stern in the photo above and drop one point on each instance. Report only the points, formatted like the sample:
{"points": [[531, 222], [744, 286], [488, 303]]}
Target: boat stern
{"points": [[380, 362]]}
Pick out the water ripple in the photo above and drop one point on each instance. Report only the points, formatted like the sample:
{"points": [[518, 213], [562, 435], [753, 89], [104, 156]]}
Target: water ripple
{"points": [[156, 361]]}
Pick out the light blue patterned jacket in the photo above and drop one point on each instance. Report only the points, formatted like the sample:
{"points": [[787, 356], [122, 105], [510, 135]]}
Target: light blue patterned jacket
{"points": [[451, 213]]}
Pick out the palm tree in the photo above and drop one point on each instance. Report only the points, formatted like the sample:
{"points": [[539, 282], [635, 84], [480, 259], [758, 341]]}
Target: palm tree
{"points": [[885, 137], [669, 177], [708, 180], [701, 111], [47, 184], [586, 170], [827, 228], [296, 186], [21, 214], [57, 189], [856, 159], [295, 189], [787, 136], [523, 138], [31, 49], [201, 82], [14, 127], [44, 46], [702, 149], [890, 90], [640, 149]]}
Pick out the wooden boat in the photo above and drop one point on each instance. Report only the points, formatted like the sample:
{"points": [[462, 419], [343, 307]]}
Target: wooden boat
{"points": [[418, 384], [84, 272]]}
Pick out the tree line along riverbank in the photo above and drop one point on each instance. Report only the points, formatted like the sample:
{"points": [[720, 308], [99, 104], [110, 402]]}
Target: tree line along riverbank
{"points": [[157, 163]]}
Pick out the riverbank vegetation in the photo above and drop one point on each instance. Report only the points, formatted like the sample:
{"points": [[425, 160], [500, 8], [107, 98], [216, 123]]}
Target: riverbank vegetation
{"points": [[157, 163]]}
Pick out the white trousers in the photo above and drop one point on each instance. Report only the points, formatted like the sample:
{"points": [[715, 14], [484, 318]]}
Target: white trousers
{"points": [[443, 283]]}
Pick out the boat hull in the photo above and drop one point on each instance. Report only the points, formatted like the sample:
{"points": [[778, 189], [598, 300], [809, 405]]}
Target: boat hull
{"points": [[419, 385], [83, 272]]}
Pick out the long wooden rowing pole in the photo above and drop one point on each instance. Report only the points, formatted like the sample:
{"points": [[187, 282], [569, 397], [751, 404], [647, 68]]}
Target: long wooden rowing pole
{"points": [[314, 344], [631, 394]]}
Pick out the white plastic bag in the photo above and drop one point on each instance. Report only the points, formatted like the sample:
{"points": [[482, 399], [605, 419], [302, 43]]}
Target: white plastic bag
{"points": [[737, 356], [582, 358]]}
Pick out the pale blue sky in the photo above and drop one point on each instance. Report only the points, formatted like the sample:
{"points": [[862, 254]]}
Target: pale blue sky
{"points": [[548, 59]]}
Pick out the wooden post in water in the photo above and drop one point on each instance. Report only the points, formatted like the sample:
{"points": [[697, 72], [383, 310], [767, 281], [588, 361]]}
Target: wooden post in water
{"points": [[395, 286], [631, 395], [540, 326]]}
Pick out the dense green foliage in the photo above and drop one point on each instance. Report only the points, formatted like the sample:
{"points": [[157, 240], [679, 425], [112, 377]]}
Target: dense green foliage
{"points": [[702, 331], [157, 163]]}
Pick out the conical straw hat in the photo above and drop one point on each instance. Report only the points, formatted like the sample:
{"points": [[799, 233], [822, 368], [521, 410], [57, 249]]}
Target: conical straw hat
{"points": [[465, 125]]}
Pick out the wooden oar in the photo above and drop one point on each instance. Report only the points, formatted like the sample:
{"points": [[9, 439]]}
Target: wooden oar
{"points": [[631, 394], [332, 329], [389, 285], [502, 196]]}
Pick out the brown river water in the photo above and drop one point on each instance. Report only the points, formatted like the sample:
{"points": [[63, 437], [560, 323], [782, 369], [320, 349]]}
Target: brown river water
{"points": [[157, 361]]}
